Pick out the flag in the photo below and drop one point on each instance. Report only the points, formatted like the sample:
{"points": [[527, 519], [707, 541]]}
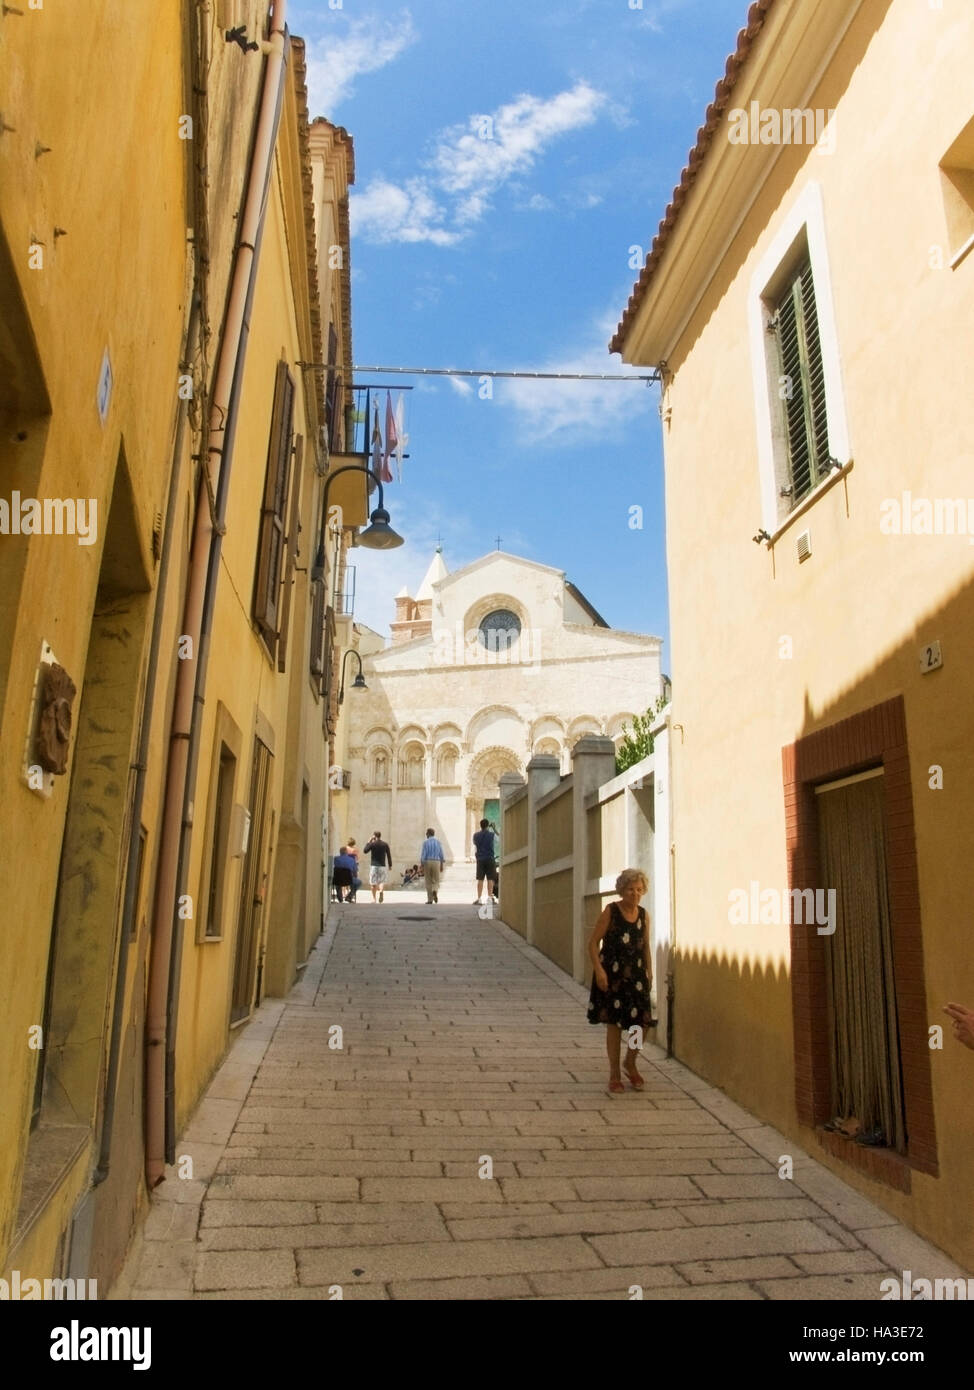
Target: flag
{"points": [[392, 442], [402, 438], [379, 467]]}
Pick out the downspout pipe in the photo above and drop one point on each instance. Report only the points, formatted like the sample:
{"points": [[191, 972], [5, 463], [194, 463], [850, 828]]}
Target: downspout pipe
{"points": [[130, 902], [184, 733], [203, 654]]}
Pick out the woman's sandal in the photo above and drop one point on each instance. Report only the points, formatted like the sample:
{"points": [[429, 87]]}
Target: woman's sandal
{"points": [[616, 1088], [635, 1080]]}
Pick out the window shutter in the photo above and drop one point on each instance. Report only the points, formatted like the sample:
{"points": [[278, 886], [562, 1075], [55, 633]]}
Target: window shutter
{"points": [[294, 531], [800, 348], [335, 392], [270, 553], [317, 629]]}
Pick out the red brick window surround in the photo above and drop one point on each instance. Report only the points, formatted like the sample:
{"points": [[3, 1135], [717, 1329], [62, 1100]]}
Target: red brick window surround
{"points": [[876, 737]]}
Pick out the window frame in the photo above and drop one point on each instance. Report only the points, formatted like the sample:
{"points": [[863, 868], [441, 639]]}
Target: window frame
{"points": [[270, 565], [801, 228], [226, 736]]}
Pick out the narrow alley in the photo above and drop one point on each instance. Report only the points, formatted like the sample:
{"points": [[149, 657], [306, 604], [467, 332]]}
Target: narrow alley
{"points": [[455, 1140]]}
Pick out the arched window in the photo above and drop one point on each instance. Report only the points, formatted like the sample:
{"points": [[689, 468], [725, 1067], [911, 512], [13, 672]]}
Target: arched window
{"points": [[446, 765], [379, 771], [411, 765]]}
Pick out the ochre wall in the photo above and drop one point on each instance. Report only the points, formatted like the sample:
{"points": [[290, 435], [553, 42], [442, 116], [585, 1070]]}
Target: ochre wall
{"points": [[859, 610]]}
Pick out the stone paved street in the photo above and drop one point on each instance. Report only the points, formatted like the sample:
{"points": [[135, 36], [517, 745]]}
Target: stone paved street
{"points": [[315, 1167]]}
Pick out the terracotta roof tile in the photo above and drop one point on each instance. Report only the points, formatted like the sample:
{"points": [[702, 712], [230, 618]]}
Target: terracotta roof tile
{"points": [[756, 18]]}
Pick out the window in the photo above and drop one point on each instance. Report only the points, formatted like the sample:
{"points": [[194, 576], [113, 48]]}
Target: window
{"points": [[446, 766], [802, 431], [219, 841], [379, 770], [500, 630], [411, 766], [270, 550], [293, 551], [801, 381]]}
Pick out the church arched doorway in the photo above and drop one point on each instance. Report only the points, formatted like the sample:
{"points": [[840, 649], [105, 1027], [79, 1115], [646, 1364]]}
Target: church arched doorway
{"points": [[483, 792]]}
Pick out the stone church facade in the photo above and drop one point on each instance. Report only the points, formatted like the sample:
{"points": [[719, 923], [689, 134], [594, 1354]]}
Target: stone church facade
{"points": [[488, 666]]}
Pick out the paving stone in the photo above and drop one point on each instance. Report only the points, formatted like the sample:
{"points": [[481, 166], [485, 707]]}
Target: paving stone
{"points": [[772, 1188], [714, 1213], [171, 1221], [841, 1262], [168, 1264], [241, 1187], [257, 1213], [616, 1282], [750, 1268], [581, 1221], [647, 1188], [901, 1249], [240, 1269], [858, 1287], [500, 1286], [386, 1263], [471, 1189], [679, 1246]]}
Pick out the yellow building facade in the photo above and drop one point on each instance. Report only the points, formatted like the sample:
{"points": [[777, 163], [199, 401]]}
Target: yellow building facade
{"points": [[810, 301], [169, 289]]}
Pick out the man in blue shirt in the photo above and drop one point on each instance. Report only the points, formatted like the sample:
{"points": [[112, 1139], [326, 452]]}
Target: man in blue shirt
{"points": [[483, 843], [431, 858]]}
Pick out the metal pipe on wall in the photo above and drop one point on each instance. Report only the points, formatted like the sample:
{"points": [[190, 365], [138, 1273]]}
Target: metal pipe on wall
{"points": [[200, 594]]}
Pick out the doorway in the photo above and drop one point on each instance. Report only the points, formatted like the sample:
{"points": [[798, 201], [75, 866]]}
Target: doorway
{"points": [[253, 889], [863, 1027]]}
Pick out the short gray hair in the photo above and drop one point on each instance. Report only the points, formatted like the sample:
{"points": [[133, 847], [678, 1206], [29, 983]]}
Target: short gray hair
{"points": [[632, 876]]}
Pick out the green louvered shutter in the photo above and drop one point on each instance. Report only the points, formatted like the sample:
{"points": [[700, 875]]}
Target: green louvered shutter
{"points": [[806, 423]]}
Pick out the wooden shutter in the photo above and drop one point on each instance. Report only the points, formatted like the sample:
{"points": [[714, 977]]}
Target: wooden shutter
{"points": [[317, 628], [335, 392], [270, 552], [806, 424], [293, 532]]}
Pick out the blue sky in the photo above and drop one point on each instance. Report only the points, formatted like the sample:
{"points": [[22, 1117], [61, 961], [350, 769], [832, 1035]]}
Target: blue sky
{"points": [[508, 156]]}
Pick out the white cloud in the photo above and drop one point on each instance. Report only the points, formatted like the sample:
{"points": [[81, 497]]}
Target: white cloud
{"points": [[388, 212], [334, 63], [589, 409], [468, 165], [472, 162], [460, 385]]}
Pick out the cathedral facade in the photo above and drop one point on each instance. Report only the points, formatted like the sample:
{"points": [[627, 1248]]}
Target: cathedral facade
{"points": [[488, 666]]}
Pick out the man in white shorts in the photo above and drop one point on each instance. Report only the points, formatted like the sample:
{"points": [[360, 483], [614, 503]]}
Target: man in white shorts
{"points": [[381, 857]]}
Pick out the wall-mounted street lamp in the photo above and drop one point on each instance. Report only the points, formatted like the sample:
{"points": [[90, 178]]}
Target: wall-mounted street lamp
{"points": [[359, 682], [379, 535]]}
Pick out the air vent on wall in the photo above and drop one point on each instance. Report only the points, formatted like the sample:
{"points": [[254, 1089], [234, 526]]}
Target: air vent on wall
{"points": [[804, 546]]}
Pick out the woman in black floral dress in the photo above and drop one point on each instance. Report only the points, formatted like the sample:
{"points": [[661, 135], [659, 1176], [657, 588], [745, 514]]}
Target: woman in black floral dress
{"points": [[621, 975]]}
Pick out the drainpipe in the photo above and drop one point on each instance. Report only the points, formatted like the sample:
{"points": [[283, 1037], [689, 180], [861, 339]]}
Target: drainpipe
{"points": [[130, 903], [177, 818]]}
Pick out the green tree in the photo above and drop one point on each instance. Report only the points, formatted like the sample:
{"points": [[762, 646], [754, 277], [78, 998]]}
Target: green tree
{"points": [[637, 742]]}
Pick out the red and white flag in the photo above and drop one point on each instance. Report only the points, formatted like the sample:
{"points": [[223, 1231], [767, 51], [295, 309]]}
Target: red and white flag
{"points": [[379, 465], [392, 443]]}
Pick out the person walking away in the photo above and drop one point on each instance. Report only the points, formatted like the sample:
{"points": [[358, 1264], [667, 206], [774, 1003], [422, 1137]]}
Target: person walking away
{"points": [[619, 951], [381, 857], [343, 875], [356, 876], [483, 844], [431, 858]]}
